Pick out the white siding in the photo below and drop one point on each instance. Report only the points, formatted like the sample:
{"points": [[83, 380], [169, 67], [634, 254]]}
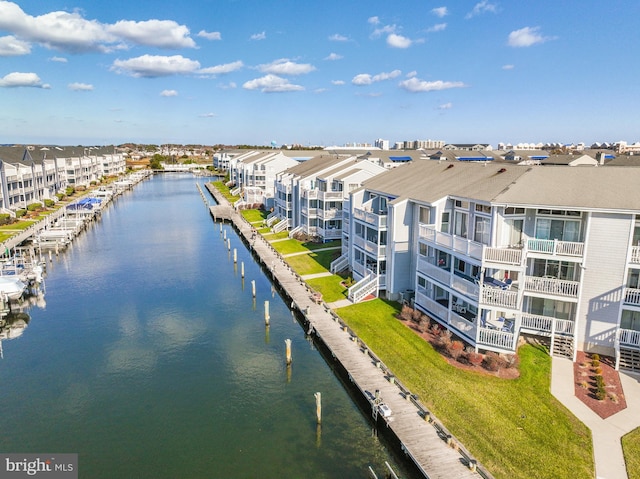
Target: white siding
{"points": [[602, 281]]}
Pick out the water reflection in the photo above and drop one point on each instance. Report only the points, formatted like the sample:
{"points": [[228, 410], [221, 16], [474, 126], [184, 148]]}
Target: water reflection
{"points": [[12, 325]]}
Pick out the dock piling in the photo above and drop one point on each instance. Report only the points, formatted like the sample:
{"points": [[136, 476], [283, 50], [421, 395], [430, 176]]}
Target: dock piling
{"points": [[266, 313], [287, 343], [253, 288], [318, 397]]}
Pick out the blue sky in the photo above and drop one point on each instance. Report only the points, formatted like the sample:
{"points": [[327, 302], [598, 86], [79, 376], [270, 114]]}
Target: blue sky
{"points": [[328, 73]]}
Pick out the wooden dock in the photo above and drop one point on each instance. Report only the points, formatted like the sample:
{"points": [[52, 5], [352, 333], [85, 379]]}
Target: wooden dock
{"points": [[427, 443]]}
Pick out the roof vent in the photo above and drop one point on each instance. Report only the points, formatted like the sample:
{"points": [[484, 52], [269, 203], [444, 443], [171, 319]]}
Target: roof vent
{"points": [[502, 170], [450, 166]]}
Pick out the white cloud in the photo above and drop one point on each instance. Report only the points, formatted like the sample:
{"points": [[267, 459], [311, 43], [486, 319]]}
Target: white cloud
{"points": [[271, 84], [337, 82], [259, 36], [284, 66], [362, 79], [378, 32], [336, 37], [58, 59], [228, 86], [445, 106], [207, 115], [367, 79], [210, 35], [508, 67], [373, 20], [412, 74], [18, 79], [80, 87], [440, 11], [168, 93], [222, 69], [415, 85], [398, 41], [527, 36], [153, 33], [437, 28], [482, 7], [386, 76], [10, 46], [155, 66], [71, 32], [333, 56]]}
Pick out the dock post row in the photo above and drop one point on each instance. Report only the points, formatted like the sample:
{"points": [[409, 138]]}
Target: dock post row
{"points": [[433, 450]]}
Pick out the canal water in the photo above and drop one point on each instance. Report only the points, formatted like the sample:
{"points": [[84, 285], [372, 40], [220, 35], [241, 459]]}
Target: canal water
{"points": [[150, 359]]}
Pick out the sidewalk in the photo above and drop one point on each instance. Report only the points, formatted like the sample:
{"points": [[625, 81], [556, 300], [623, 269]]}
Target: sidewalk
{"points": [[605, 433]]}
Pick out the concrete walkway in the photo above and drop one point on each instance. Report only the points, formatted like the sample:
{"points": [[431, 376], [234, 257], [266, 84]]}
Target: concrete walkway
{"points": [[606, 433]]}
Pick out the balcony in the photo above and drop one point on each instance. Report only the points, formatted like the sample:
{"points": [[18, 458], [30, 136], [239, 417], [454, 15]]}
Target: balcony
{"points": [[635, 255], [632, 296], [555, 247], [330, 214], [358, 241], [498, 297], [330, 195], [426, 267], [506, 256], [377, 220], [310, 194], [551, 286], [465, 285], [493, 339], [330, 233], [433, 307], [546, 325], [629, 337], [455, 243]]}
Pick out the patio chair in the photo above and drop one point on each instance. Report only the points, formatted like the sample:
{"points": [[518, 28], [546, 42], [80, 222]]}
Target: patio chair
{"points": [[507, 327]]}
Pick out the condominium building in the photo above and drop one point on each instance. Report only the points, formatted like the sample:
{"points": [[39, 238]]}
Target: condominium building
{"points": [[494, 251]]}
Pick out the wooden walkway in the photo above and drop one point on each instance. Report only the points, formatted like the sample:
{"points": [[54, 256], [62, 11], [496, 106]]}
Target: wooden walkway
{"points": [[433, 450]]}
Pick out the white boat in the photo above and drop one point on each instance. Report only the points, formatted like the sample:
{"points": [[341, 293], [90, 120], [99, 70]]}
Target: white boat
{"points": [[12, 288]]}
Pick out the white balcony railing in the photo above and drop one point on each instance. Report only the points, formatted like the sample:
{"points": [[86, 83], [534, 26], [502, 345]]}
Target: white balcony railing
{"points": [[635, 254], [632, 296], [547, 325], [459, 244], [496, 339], [465, 287], [433, 307], [329, 214], [629, 337], [510, 256], [377, 220], [499, 297], [330, 195], [330, 233], [462, 325], [555, 247], [428, 269], [553, 286], [358, 241]]}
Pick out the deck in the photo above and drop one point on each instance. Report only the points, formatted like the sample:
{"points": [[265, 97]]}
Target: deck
{"points": [[435, 453]]}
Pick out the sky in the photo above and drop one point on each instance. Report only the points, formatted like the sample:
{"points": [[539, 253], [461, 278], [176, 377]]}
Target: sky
{"points": [[324, 73]]}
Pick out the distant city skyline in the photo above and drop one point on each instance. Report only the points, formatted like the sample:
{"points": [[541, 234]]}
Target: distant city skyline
{"points": [[239, 72]]}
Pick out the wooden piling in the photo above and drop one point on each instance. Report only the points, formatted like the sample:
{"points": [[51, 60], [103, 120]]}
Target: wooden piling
{"points": [[287, 343], [318, 397], [266, 313], [242, 269], [235, 255], [253, 288]]}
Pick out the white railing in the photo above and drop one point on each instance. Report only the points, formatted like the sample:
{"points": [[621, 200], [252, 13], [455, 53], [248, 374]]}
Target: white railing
{"points": [[331, 195], [378, 220], [536, 322], [632, 296], [358, 241], [555, 247], [429, 269], [310, 194], [366, 286], [629, 336], [295, 231], [465, 287], [330, 233], [499, 297], [329, 214], [557, 287], [339, 264], [635, 254], [236, 191], [359, 269], [281, 226], [463, 325], [459, 244], [564, 326], [510, 256], [432, 306], [496, 339]]}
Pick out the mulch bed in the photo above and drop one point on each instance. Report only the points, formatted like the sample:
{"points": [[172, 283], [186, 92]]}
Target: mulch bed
{"points": [[584, 376]]}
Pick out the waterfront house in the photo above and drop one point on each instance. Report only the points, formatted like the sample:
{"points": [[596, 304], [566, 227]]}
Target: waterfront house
{"points": [[493, 251]]}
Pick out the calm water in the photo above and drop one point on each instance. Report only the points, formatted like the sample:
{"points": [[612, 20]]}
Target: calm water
{"points": [[150, 359]]}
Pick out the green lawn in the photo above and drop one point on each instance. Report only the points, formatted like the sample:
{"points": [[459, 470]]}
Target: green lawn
{"points": [[312, 263], [224, 191], [515, 428], [253, 216], [330, 288], [631, 448], [20, 225], [288, 246]]}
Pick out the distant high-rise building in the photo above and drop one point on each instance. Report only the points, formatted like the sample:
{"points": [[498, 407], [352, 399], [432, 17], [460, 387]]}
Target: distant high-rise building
{"points": [[382, 144]]}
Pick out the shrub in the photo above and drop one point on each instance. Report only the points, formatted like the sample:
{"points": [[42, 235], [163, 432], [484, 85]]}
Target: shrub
{"points": [[613, 397], [584, 384], [20, 213], [599, 381], [60, 195], [512, 361], [595, 363], [455, 349], [598, 370], [5, 219], [69, 191], [595, 357], [34, 207], [49, 203], [475, 358], [416, 315], [601, 394], [491, 362]]}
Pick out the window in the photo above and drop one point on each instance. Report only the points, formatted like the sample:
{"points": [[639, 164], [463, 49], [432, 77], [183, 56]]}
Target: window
{"points": [[422, 249], [424, 215], [562, 230], [555, 269], [514, 231], [462, 204], [460, 222], [483, 209], [482, 232], [510, 210], [630, 320], [444, 224]]}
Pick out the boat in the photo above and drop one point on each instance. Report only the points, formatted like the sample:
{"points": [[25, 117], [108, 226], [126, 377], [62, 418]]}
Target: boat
{"points": [[11, 287]]}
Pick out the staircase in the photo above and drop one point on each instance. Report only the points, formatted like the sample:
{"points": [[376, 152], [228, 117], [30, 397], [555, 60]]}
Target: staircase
{"points": [[629, 359], [339, 264], [272, 218], [236, 191], [562, 346], [363, 288], [295, 230], [281, 226]]}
